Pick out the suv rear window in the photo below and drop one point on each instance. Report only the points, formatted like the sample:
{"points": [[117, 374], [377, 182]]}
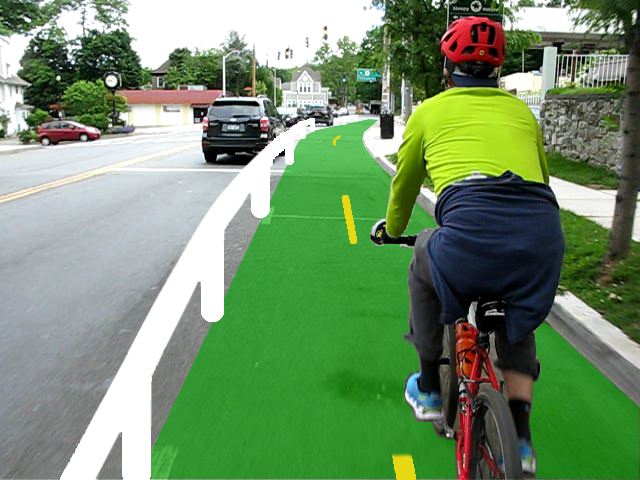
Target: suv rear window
{"points": [[235, 109]]}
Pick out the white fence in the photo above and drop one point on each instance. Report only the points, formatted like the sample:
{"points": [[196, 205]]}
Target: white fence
{"points": [[530, 98], [126, 408], [591, 70]]}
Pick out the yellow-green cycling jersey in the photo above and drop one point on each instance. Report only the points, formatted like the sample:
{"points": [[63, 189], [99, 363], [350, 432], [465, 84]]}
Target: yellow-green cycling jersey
{"points": [[458, 132]]}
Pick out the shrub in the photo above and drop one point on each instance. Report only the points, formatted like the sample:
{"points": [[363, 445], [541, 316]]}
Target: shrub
{"points": [[98, 120], [617, 91], [4, 123], [37, 118], [27, 136]]}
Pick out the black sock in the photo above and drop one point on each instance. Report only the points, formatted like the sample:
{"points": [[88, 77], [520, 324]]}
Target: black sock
{"points": [[521, 409], [429, 380]]}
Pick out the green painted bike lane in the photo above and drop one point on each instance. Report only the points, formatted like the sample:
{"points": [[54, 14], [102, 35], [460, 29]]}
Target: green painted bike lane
{"points": [[303, 377]]}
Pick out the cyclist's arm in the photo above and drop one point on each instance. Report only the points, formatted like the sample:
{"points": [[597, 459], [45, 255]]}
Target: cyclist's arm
{"points": [[405, 185], [542, 157]]}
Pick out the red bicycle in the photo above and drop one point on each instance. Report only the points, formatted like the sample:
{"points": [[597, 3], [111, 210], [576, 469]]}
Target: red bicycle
{"points": [[475, 411]]}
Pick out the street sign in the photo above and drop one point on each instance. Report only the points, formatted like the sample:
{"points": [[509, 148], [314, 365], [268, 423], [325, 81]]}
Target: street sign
{"points": [[367, 75], [475, 8]]}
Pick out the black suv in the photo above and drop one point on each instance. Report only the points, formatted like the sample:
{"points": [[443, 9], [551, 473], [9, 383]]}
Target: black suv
{"points": [[239, 124], [322, 114]]}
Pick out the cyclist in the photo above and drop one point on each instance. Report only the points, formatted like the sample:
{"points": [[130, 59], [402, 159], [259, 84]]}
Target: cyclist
{"points": [[499, 226]]}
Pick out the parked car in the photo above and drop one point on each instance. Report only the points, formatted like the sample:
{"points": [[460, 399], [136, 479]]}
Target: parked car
{"points": [[239, 124], [321, 113], [64, 130], [342, 112]]}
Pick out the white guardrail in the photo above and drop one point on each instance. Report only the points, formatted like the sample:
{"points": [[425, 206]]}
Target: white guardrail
{"points": [[126, 408]]}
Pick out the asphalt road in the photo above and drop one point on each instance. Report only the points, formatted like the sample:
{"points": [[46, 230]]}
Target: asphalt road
{"points": [[81, 264]]}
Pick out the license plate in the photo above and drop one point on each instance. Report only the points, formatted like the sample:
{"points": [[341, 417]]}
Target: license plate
{"points": [[233, 127]]}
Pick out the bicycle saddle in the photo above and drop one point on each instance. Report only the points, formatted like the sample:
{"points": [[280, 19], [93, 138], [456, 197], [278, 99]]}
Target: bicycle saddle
{"points": [[490, 314]]}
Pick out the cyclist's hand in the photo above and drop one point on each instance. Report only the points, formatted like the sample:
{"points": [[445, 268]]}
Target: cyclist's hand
{"points": [[379, 234]]}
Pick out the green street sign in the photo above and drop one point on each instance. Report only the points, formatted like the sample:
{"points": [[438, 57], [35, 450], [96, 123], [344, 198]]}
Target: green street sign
{"points": [[474, 8], [367, 75]]}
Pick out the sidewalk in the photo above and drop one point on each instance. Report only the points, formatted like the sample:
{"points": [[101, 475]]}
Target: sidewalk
{"points": [[603, 344], [12, 144]]}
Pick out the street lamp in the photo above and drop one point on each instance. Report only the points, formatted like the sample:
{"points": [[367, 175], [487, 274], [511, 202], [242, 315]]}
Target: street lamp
{"points": [[58, 78], [224, 71], [275, 101]]}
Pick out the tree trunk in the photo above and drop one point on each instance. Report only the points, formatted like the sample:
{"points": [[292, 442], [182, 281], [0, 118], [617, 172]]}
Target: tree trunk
{"points": [[622, 229]]}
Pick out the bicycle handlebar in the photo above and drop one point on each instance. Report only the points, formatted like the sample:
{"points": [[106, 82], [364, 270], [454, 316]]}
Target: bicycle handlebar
{"points": [[379, 237]]}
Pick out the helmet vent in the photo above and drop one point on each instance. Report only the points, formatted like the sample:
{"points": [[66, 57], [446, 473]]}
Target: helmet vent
{"points": [[454, 46], [494, 52], [468, 49]]}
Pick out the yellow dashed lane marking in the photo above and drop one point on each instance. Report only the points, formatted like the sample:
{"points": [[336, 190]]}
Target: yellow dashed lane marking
{"points": [[89, 174], [403, 465], [351, 228]]}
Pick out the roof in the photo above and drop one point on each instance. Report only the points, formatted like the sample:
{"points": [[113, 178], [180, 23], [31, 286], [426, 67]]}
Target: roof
{"points": [[316, 76], [192, 97], [14, 80], [558, 20], [162, 69]]}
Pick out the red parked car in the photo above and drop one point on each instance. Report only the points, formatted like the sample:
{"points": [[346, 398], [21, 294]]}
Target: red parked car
{"points": [[54, 132]]}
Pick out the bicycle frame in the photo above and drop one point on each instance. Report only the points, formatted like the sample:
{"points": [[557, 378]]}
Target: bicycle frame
{"points": [[467, 391]]}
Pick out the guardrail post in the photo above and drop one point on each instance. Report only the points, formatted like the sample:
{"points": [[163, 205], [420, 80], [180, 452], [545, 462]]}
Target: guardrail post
{"points": [[211, 271], [136, 434], [261, 189]]}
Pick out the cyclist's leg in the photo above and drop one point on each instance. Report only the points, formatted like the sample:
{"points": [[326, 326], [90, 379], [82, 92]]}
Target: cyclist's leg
{"points": [[425, 329], [422, 390], [519, 366]]}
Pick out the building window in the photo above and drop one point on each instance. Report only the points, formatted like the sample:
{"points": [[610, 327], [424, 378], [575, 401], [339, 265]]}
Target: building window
{"points": [[172, 108], [160, 82]]}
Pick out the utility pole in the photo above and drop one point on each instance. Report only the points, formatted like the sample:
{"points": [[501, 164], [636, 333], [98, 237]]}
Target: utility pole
{"points": [[253, 73], [386, 74]]}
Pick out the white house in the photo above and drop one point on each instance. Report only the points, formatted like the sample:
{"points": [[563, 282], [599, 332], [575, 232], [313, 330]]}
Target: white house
{"points": [[12, 98], [305, 88]]}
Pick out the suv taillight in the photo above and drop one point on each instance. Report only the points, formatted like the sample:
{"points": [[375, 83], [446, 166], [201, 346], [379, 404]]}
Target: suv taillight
{"points": [[264, 124], [205, 123]]}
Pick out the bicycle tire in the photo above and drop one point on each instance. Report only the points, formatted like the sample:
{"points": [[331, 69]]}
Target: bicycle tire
{"points": [[491, 405], [448, 381]]}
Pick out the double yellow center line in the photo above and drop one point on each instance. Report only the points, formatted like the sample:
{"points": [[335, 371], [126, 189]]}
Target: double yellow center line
{"points": [[91, 173]]}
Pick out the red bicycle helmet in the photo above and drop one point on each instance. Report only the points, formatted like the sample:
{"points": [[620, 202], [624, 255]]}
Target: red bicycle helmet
{"points": [[474, 39]]}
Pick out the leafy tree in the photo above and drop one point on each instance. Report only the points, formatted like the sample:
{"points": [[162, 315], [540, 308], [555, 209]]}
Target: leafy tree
{"points": [[370, 55], [101, 52], [23, 16], [622, 17], [86, 97], [46, 57], [238, 67], [109, 14]]}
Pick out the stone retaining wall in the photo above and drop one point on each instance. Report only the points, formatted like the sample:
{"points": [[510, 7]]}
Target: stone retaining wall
{"points": [[583, 127]]}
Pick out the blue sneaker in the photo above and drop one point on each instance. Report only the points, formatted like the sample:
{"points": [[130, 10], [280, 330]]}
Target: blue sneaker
{"points": [[426, 407], [528, 456]]}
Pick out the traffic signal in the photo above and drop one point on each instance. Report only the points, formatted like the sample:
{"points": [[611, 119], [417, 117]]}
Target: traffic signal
{"points": [[286, 53], [278, 54], [325, 34], [290, 53], [344, 79], [307, 39]]}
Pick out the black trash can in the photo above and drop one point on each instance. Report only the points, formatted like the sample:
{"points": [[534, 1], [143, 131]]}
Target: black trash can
{"points": [[386, 125]]}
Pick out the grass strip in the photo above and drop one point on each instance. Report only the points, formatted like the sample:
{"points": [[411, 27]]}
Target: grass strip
{"points": [[581, 173]]}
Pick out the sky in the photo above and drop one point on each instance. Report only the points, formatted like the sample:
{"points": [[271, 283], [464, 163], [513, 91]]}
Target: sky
{"points": [[160, 26]]}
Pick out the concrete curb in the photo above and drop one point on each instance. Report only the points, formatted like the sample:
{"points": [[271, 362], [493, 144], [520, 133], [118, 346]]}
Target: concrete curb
{"points": [[612, 352]]}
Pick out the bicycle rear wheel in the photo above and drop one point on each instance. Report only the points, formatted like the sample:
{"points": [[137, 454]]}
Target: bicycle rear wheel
{"points": [[448, 381], [494, 442]]}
